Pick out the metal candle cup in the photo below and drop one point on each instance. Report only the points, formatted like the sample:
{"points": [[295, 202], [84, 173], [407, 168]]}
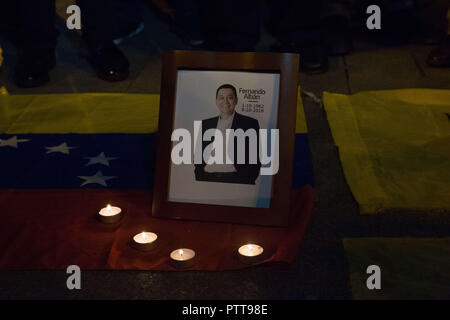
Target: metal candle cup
{"points": [[145, 241], [110, 214], [250, 253], [182, 258]]}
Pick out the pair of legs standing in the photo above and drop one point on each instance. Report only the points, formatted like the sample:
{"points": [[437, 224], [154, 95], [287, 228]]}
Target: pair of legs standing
{"points": [[235, 25], [37, 38]]}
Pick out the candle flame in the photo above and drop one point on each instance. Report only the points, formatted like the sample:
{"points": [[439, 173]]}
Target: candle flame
{"points": [[180, 252], [250, 247], [144, 235], [108, 207]]}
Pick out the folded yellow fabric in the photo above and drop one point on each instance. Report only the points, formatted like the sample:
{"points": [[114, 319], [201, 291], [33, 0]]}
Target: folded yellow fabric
{"points": [[88, 113], [79, 113], [410, 268], [394, 147]]}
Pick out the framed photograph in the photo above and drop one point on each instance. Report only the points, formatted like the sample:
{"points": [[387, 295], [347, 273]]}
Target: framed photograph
{"points": [[226, 137]]}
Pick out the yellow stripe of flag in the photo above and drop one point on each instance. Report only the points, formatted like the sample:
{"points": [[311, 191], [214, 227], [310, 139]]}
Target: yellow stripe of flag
{"points": [[88, 113]]}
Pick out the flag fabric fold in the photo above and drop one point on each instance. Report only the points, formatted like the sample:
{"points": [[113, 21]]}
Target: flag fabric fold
{"points": [[394, 147], [64, 157]]}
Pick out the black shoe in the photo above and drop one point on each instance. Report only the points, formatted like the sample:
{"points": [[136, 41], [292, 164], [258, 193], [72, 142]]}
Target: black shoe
{"points": [[109, 63], [439, 57], [313, 59], [32, 69]]}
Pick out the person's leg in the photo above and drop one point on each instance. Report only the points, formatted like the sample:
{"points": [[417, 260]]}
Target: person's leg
{"points": [[335, 21], [295, 21], [36, 41], [233, 24], [9, 20], [188, 21], [99, 21], [432, 22], [129, 19], [296, 25], [440, 56]]}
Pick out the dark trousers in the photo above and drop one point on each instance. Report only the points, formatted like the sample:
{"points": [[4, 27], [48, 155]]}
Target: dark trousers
{"points": [[188, 17], [239, 21], [36, 22], [232, 24], [295, 20]]}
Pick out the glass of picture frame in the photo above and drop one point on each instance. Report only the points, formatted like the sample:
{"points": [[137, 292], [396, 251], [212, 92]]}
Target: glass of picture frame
{"points": [[226, 137]]}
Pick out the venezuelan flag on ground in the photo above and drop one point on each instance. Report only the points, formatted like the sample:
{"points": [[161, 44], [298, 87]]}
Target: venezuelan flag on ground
{"points": [[394, 147], [63, 157]]}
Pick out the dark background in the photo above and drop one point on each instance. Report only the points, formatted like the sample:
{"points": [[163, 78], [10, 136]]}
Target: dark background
{"points": [[320, 270]]}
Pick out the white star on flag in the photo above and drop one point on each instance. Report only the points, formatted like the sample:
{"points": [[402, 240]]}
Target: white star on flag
{"points": [[98, 178], [101, 159], [63, 148], [12, 142]]}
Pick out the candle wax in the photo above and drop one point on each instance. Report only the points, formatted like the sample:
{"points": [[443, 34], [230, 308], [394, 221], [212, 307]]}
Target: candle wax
{"points": [[251, 250], [145, 237], [182, 254], [110, 211]]}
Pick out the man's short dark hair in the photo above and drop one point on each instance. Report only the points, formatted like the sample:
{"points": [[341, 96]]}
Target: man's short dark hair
{"points": [[226, 86]]}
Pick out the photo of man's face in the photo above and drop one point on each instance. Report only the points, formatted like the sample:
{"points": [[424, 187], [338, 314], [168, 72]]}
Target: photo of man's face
{"points": [[226, 101]]}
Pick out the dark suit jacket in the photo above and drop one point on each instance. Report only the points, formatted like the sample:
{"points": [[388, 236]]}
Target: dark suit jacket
{"points": [[245, 173]]}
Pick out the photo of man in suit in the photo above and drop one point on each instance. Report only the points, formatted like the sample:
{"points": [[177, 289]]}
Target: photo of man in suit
{"points": [[228, 118]]}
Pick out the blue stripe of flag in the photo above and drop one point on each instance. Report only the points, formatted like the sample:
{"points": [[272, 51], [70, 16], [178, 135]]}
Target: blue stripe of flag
{"points": [[33, 165]]}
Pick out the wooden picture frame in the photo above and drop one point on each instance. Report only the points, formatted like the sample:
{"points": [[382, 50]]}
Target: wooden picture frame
{"points": [[283, 64]]}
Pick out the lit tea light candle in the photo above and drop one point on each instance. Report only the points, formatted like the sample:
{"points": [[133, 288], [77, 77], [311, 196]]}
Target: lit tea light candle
{"points": [[145, 240], [110, 214], [182, 258], [251, 250], [250, 253]]}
